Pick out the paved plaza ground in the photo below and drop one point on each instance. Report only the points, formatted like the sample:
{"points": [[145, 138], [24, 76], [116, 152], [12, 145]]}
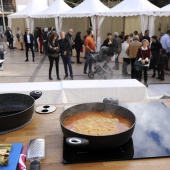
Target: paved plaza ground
{"points": [[16, 70]]}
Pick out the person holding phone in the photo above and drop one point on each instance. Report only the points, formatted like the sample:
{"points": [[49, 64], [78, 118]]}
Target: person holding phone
{"points": [[53, 54]]}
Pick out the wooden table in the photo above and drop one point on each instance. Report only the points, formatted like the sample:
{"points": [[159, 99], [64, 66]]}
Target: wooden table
{"points": [[48, 127]]}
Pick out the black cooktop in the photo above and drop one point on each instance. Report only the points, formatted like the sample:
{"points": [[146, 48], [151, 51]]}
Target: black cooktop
{"points": [[151, 138]]}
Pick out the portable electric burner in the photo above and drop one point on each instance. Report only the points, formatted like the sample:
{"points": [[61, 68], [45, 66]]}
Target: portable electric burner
{"points": [[149, 140]]}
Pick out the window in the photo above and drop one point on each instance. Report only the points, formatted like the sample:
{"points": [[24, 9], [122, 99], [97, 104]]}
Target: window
{"points": [[7, 2], [8, 7]]}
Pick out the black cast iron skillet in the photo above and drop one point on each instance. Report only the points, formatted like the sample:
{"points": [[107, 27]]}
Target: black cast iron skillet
{"points": [[16, 110], [97, 142]]}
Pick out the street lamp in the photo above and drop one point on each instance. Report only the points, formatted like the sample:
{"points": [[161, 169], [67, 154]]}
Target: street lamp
{"points": [[3, 15]]}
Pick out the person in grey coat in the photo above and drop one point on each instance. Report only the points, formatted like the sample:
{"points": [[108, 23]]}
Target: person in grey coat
{"points": [[117, 48], [2, 49]]}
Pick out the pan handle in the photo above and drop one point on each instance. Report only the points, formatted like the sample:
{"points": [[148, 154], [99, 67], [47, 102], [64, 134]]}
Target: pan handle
{"points": [[36, 94], [111, 100], [35, 165], [77, 142]]}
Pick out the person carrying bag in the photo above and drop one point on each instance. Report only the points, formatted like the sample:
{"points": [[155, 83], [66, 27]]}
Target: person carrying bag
{"points": [[53, 54], [143, 56]]}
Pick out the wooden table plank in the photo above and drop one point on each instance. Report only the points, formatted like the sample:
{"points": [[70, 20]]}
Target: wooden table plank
{"points": [[48, 127]]}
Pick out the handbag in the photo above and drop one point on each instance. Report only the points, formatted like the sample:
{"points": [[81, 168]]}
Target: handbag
{"points": [[54, 55], [113, 58], [138, 65]]}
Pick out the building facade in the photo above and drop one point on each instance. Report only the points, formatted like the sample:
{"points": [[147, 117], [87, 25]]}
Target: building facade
{"points": [[11, 6], [8, 7]]}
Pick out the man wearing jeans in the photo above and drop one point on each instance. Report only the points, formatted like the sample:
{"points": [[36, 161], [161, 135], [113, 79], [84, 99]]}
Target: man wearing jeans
{"points": [[66, 54], [89, 47], [69, 35]]}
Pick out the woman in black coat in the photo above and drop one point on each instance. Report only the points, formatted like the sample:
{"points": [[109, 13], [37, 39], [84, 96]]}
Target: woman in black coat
{"points": [[155, 49], [78, 46], [53, 54]]}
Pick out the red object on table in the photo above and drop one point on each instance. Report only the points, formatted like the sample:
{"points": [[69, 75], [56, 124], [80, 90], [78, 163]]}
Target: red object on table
{"points": [[22, 159]]}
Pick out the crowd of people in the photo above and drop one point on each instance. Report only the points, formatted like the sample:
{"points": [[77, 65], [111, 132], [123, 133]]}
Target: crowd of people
{"points": [[54, 46], [150, 52]]}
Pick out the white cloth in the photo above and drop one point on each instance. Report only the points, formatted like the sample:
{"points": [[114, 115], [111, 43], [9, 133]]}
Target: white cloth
{"points": [[10, 22], [83, 91], [28, 39], [147, 23], [80, 91], [144, 48], [30, 24], [58, 24], [151, 25], [125, 45], [96, 24], [51, 91], [165, 41], [144, 23]]}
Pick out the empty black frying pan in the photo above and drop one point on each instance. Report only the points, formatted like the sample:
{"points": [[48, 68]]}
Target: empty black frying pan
{"points": [[16, 110]]}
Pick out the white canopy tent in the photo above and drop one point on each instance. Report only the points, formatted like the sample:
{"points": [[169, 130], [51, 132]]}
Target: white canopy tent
{"points": [[130, 8], [89, 8], [163, 20], [32, 8], [53, 11], [164, 11]]}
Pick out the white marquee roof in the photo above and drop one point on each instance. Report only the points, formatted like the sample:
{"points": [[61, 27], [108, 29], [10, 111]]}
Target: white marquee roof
{"points": [[166, 8], [57, 7], [132, 8], [165, 11], [87, 8], [32, 8]]}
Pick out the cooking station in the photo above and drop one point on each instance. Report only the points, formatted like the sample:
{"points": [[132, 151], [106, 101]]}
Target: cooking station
{"points": [[149, 140]]}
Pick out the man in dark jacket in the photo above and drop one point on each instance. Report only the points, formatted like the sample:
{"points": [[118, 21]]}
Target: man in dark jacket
{"points": [[10, 36], [66, 54], [146, 36], [29, 43], [69, 35], [108, 42], [45, 41]]}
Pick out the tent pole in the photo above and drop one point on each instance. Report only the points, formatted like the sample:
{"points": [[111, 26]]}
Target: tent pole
{"points": [[124, 24], [3, 15]]}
